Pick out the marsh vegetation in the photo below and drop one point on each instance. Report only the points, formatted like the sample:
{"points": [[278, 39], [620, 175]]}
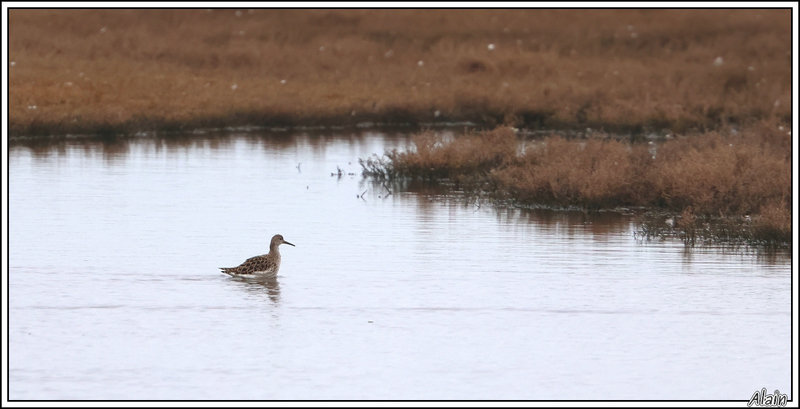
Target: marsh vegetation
{"points": [[721, 185]]}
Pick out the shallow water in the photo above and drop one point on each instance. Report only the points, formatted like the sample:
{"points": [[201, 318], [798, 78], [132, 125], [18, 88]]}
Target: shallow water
{"points": [[115, 292]]}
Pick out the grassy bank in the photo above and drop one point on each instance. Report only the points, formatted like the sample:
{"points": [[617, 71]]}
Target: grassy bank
{"points": [[720, 185], [125, 71]]}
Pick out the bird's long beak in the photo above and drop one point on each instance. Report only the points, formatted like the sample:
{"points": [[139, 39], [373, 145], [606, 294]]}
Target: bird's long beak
{"points": [[286, 242]]}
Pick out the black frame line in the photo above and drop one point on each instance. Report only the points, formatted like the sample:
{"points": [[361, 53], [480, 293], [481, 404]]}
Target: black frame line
{"points": [[8, 204]]}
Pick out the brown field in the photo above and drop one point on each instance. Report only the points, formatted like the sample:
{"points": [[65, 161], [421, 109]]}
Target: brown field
{"points": [[122, 71], [739, 182]]}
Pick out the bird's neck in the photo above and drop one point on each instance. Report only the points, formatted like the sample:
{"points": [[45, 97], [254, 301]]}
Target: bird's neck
{"points": [[273, 249]]}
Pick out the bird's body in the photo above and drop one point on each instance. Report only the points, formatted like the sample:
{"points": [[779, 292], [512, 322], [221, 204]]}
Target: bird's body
{"points": [[263, 264], [266, 264]]}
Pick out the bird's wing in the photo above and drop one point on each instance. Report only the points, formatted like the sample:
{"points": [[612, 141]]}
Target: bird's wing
{"points": [[257, 263]]}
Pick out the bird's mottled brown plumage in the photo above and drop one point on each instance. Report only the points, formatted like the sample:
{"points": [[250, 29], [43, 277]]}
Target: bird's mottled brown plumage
{"points": [[263, 264]]}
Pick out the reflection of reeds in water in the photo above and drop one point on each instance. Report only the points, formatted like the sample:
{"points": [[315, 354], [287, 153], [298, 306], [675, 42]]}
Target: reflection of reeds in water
{"points": [[429, 195], [112, 148], [711, 230]]}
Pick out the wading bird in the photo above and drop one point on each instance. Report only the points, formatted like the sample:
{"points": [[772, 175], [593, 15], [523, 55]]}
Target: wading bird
{"points": [[266, 264]]}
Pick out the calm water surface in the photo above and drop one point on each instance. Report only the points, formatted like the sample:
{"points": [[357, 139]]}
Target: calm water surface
{"points": [[115, 292]]}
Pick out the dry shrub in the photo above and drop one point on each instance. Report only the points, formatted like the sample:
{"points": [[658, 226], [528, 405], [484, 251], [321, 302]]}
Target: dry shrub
{"points": [[592, 173], [721, 175], [436, 157], [773, 224], [713, 174]]}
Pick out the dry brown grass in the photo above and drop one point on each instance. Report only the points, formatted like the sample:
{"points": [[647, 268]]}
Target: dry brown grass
{"points": [[590, 173], [773, 224], [725, 174], [473, 154], [722, 175], [130, 70]]}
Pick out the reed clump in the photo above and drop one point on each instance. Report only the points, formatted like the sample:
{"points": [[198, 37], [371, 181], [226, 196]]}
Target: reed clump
{"points": [[471, 154], [464, 160], [592, 173], [773, 223], [742, 175], [723, 174]]}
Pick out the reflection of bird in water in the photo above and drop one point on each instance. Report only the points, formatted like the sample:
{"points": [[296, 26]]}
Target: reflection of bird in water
{"points": [[264, 265], [258, 283]]}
